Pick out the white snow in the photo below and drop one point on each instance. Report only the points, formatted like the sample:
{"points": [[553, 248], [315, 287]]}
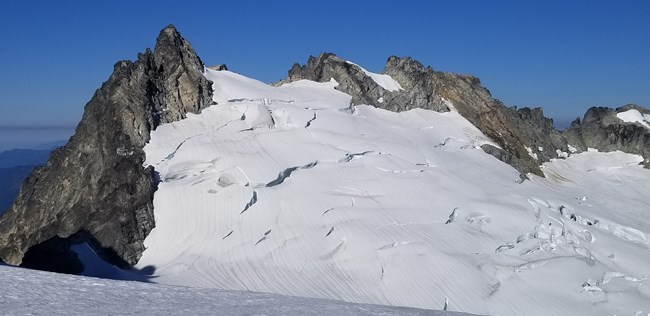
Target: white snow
{"points": [[634, 116], [531, 152], [286, 190], [385, 81], [31, 292]]}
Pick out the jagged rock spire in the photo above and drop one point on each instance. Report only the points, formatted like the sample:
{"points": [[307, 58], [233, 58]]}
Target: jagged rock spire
{"points": [[95, 188]]}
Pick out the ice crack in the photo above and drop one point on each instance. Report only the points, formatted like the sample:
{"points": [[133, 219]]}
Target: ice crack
{"points": [[286, 173], [311, 120], [350, 157], [250, 203]]}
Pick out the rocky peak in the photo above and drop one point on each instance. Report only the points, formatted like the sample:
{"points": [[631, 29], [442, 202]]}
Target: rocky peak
{"points": [[95, 188], [179, 64], [601, 129], [351, 78]]}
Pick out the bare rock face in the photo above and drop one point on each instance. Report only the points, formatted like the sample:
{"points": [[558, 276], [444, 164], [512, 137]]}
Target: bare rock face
{"points": [[219, 67], [603, 130], [416, 92], [184, 88], [538, 133], [428, 89], [96, 188]]}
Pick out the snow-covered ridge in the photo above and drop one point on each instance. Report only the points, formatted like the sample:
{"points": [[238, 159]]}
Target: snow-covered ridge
{"points": [[385, 81], [634, 116], [290, 190]]}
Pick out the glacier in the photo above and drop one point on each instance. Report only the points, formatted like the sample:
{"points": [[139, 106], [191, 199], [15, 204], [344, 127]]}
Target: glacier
{"points": [[295, 191]]}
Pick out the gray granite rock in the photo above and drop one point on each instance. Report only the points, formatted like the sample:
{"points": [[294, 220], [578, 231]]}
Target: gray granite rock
{"points": [[96, 185], [219, 67], [537, 133], [601, 129]]}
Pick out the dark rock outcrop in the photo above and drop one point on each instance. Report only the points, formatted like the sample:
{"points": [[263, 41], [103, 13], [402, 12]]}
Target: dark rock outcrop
{"points": [[537, 133], [416, 92], [601, 129], [219, 67], [96, 185]]}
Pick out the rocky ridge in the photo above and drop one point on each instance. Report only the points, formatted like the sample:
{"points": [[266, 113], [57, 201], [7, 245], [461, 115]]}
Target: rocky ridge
{"points": [[526, 138], [428, 89], [95, 189]]}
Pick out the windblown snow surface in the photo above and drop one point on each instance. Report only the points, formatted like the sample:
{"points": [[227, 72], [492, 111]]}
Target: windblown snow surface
{"points": [[290, 190], [28, 292]]}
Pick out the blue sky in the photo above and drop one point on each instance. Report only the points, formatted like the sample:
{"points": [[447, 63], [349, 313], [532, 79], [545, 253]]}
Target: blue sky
{"points": [[564, 56]]}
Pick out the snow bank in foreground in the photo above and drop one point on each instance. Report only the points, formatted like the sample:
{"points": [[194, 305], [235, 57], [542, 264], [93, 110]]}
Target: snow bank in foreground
{"points": [[289, 190], [31, 292], [634, 116], [385, 81]]}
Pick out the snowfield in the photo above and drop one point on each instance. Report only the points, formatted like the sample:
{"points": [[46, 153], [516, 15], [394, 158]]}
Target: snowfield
{"points": [[30, 292], [290, 190]]}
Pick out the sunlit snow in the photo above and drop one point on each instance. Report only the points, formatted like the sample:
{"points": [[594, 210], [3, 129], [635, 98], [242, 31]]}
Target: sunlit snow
{"points": [[291, 190], [30, 292], [634, 116], [385, 81]]}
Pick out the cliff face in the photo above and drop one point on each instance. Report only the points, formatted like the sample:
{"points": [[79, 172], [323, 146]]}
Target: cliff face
{"points": [[96, 186]]}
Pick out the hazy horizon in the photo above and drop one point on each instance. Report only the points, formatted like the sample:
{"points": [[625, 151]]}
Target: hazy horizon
{"points": [[33, 137]]}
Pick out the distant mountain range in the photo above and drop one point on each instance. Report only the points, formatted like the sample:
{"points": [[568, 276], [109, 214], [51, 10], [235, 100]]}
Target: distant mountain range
{"points": [[16, 165]]}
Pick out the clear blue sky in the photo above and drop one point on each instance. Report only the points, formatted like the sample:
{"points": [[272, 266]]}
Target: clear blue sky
{"points": [[564, 56]]}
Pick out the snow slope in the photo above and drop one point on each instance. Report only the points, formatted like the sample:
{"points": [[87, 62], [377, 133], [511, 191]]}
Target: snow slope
{"points": [[385, 81], [289, 190], [31, 292], [634, 116]]}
